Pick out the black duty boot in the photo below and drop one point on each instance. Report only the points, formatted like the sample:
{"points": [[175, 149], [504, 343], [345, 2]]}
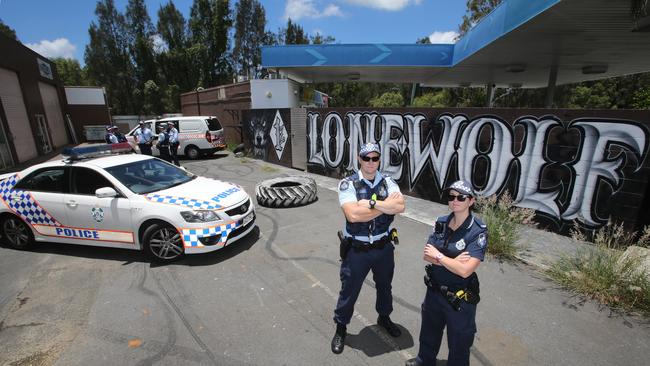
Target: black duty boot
{"points": [[392, 329], [338, 342]]}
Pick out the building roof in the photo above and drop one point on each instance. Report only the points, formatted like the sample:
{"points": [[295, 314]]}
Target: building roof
{"points": [[516, 45]]}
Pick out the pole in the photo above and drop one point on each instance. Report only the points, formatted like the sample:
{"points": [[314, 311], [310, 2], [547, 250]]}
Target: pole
{"points": [[550, 89]]}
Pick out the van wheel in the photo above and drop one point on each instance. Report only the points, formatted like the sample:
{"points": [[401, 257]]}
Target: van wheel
{"points": [[162, 242], [192, 152], [16, 233]]}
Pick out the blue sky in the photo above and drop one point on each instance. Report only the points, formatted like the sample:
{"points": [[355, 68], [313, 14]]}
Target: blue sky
{"points": [[59, 28]]}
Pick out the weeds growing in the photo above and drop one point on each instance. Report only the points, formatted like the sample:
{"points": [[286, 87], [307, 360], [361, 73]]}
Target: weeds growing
{"points": [[602, 271], [502, 218]]}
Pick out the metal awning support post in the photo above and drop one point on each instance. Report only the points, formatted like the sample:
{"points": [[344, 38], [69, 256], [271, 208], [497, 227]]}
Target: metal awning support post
{"points": [[550, 88], [413, 89], [489, 95]]}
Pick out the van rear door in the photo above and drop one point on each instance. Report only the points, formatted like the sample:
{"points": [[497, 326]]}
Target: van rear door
{"points": [[217, 137]]}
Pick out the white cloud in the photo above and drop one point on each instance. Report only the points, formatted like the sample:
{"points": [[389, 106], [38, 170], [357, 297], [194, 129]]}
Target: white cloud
{"points": [[390, 5], [443, 37], [60, 47], [332, 10], [296, 9]]}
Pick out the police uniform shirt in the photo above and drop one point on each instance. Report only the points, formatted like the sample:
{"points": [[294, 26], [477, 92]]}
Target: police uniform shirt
{"points": [[143, 134], [347, 192], [173, 135], [113, 139], [470, 237]]}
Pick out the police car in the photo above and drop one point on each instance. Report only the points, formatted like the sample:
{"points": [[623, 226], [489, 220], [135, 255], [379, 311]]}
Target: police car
{"points": [[97, 197]]}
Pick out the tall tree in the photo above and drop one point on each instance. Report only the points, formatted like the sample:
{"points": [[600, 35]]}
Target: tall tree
{"points": [[174, 62], [140, 32], [107, 58], [293, 34], [209, 24], [250, 21], [70, 72], [476, 10], [7, 30]]}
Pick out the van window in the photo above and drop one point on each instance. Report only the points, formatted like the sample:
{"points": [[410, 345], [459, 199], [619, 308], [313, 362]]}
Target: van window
{"points": [[214, 124], [192, 125]]}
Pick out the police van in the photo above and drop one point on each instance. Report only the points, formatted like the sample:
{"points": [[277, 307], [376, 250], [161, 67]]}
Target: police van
{"points": [[197, 135], [132, 201]]}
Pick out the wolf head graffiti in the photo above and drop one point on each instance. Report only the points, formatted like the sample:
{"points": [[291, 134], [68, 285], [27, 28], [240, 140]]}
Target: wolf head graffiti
{"points": [[259, 132]]}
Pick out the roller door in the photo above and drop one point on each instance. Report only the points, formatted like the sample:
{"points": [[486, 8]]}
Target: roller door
{"points": [[19, 129], [53, 114], [299, 138]]}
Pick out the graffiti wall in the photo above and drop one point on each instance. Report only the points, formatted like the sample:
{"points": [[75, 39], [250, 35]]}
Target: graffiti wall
{"points": [[585, 165], [266, 134]]}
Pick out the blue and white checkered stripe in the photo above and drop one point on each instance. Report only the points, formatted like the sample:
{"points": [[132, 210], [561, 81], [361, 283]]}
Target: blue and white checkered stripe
{"points": [[181, 201], [26, 207], [191, 236]]}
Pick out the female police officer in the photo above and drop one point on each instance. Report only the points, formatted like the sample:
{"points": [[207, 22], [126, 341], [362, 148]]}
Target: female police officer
{"points": [[455, 249]]}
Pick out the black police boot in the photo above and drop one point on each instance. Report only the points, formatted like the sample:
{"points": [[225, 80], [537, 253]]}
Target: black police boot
{"points": [[338, 342], [392, 329], [413, 362]]}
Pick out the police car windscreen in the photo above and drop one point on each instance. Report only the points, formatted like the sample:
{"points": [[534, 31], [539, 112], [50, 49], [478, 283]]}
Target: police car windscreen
{"points": [[213, 124], [149, 175]]}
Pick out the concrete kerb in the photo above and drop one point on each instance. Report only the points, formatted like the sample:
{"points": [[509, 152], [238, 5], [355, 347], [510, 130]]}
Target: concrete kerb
{"points": [[540, 248]]}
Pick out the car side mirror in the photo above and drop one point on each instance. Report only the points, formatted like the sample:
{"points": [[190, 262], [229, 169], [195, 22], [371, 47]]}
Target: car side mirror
{"points": [[105, 192]]}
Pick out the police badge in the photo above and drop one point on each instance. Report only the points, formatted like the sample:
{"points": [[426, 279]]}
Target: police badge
{"points": [[97, 213], [460, 245], [482, 240], [343, 186]]}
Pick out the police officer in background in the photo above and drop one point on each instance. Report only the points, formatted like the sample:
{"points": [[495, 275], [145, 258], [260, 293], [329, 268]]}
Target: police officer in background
{"points": [[163, 143], [110, 137], [173, 142], [455, 249], [144, 138], [369, 202]]}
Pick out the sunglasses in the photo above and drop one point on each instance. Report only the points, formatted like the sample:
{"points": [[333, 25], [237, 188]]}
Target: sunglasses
{"points": [[460, 197], [368, 158]]}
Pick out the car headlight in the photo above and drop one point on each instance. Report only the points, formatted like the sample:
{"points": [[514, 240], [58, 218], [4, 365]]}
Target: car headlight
{"points": [[200, 216]]}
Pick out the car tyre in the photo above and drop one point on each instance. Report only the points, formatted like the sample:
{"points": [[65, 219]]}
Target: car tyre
{"points": [[192, 152], [16, 233], [163, 243], [286, 192]]}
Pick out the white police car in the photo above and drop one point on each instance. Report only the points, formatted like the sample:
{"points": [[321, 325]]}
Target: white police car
{"points": [[94, 197]]}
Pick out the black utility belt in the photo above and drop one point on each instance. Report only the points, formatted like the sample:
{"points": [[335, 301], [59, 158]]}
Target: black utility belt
{"points": [[362, 246], [453, 297]]}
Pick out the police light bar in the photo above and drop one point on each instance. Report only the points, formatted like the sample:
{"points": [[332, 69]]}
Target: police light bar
{"points": [[84, 152]]}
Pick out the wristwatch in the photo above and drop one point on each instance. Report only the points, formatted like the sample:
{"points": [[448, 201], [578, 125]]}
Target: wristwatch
{"points": [[439, 256], [372, 203]]}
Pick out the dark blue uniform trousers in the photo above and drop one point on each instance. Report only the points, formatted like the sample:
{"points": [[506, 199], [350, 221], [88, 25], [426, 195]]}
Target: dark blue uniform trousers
{"points": [[354, 269], [461, 327]]}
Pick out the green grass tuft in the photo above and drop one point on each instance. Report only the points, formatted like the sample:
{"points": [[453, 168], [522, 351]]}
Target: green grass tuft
{"points": [[502, 218], [602, 271]]}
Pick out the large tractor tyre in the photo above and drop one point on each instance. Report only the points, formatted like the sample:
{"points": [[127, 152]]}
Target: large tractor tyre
{"points": [[16, 233], [286, 192], [163, 243]]}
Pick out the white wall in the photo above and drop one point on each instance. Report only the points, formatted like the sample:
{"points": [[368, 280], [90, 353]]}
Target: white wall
{"points": [[85, 96], [274, 93]]}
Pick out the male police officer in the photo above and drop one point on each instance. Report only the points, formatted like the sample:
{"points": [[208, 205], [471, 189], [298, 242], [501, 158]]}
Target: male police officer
{"points": [[163, 143], [144, 138], [173, 142], [369, 202]]}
